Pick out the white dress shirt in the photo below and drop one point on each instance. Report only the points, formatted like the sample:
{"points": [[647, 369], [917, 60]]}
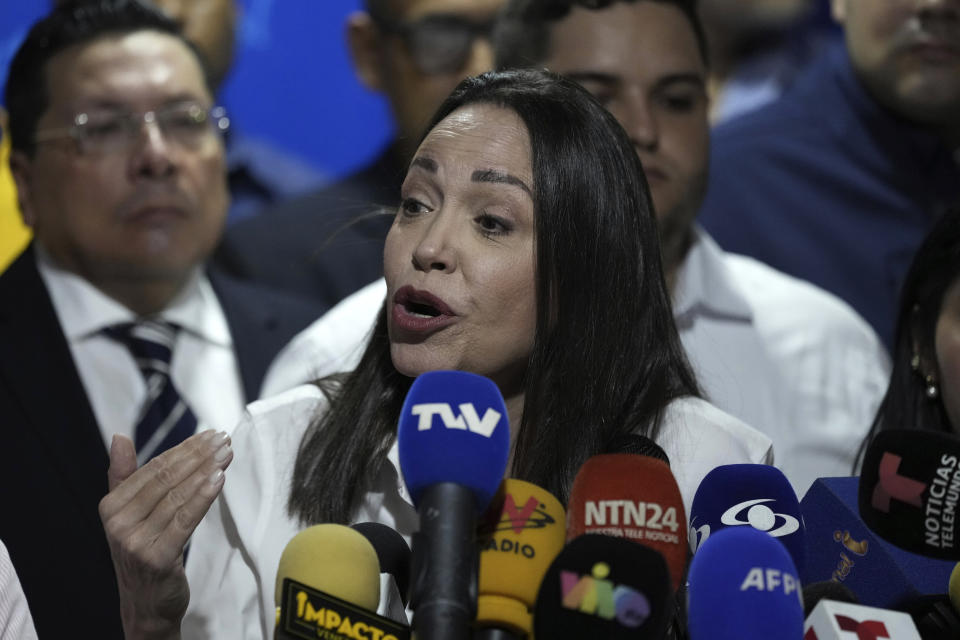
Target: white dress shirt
{"points": [[235, 551], [15, 620], [781, 354], [203, 369]]}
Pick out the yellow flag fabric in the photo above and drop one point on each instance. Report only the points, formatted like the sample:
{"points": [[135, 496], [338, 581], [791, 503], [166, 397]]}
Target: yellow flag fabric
{"points": [[14, 235]]}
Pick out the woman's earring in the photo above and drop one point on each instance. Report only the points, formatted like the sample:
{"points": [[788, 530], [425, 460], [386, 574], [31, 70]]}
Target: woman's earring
{"points": [[932, 390], [915, 363]]}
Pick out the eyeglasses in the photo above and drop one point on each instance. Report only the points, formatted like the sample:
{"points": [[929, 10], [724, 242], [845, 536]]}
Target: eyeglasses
{"points": [[439, 43], [187, 125]]}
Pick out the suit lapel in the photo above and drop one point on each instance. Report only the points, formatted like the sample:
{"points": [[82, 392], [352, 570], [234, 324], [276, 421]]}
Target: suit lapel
{"points": [[37, 366]]}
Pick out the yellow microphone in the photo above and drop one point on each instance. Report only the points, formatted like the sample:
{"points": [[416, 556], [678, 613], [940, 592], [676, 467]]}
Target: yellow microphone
{"points": [[953, 590], [328, 585], [522, 533]]}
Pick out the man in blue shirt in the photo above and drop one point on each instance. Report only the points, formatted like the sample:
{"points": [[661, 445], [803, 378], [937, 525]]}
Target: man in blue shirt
{"points": [[838, 182]]}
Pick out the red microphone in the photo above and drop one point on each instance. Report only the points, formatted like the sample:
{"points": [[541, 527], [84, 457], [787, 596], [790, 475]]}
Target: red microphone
{"points": [[633, 497]]}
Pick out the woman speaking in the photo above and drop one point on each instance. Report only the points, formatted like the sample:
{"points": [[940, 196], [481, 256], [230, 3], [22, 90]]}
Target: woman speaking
{"points": [[525, 250]]}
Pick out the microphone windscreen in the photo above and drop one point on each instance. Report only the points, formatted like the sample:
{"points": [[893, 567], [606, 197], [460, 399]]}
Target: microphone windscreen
{"points": [[603, 587], [334, 559], [826, 590], [934, 617], [523, 531], [632, 497], [953, 589], [638, 445], [842, 548], [454, 429], [909, 489], [393, 552], [832, 620], [743, 585], [757, 496]]}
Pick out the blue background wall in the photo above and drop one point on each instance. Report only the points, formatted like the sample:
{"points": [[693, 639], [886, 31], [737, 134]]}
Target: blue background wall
{"points": [[291, 83]]}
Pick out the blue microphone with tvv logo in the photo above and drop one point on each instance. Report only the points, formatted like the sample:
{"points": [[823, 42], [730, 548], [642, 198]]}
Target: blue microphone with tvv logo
{"points": [[743, 585], [453, 441], [604, 587], [754, 496]]}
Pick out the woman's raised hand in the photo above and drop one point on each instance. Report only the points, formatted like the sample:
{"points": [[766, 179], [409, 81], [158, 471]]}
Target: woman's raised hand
{"points": [[149, 515]]}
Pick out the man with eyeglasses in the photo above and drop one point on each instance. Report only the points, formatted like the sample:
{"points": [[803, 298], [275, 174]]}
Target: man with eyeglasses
{"points": [[109, 323], [329, 243], [259, 174]]}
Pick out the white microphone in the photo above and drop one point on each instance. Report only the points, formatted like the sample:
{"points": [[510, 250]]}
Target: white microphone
{"points": [[831, 620]]}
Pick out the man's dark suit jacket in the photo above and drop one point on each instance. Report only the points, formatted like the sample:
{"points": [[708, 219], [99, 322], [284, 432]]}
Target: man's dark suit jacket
{"points": [[323, 245], [53, 463]]}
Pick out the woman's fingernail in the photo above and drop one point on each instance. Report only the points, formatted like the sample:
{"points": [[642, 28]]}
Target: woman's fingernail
{"points": [[216, 476], [222, 453]]}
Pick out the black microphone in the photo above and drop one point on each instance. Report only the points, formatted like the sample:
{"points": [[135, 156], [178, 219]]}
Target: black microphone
{"points": [[636, 444], [814, 592], [604, 587], [393, 552], [909, 490]]}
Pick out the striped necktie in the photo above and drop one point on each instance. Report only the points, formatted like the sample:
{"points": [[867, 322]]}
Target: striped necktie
{"points": [[165, 419]]}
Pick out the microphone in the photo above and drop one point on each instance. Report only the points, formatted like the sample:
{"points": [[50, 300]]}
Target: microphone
{"points": [[603, 587], [934, 617], [453, 440], [328, 583], [743, 585], [633, 497], [832, 620], [636, 444], [393, 554], [953, 588], [523, 533], [826, 590], [909, 489], [841, 548], [754, 496]]}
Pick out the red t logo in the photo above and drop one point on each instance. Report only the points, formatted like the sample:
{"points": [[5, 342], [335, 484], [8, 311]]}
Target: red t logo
{"points": [[893, 485], [866, 630]]}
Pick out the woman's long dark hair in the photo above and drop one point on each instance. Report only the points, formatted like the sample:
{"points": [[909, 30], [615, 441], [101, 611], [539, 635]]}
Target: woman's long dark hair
{"points": [[935, 267], [606, 357]]}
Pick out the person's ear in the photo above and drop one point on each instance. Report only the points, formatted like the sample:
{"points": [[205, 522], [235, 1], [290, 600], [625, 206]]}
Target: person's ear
{"points": [[21, 168], [364, 39], [838, 8]]}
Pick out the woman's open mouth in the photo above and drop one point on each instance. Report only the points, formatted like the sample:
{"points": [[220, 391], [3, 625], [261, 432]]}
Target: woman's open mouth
{"points": [[418, 311]]}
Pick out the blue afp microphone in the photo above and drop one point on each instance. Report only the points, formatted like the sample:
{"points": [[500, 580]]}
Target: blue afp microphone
{"points": [[453, 441], [743, 585], [753, 496]]}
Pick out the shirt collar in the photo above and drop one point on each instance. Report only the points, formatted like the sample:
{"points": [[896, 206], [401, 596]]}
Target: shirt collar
{"points": [[84, 310], [705, 286]]}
